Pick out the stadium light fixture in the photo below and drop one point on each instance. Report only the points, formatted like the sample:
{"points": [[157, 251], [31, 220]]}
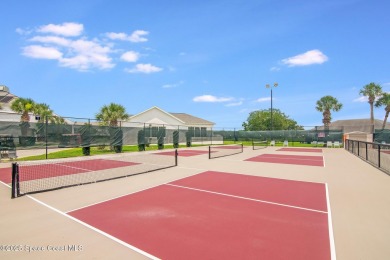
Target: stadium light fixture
{"points": [[274, 86]]}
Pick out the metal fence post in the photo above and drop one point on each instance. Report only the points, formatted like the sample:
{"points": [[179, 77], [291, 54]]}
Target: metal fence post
{"points": [[366, 152], [46, 134], [358, 153]]}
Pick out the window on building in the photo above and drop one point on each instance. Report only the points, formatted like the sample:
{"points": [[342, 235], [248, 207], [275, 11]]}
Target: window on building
{"points": [[198, 131]]}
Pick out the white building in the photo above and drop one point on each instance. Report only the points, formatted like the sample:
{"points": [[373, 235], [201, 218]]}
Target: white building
{"points": [[157, 117]]}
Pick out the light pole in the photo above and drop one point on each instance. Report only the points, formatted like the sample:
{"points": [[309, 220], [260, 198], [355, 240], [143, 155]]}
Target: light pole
{"points": [[274, 86]]}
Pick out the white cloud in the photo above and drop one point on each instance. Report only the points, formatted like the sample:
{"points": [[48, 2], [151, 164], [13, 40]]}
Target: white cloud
{"points": [[364, 99], [51, 39], [88, 54], [210, 98], [274, 69], [234, 104], [265, 99], [130, 56], [89, 47], [40, 52], [136, 36], [361, 99], [64, 43], [144, 68], [23, 31], [173, 85], [76, 54], [116, 36], [65, 29], [307, 58], [85, 62]]}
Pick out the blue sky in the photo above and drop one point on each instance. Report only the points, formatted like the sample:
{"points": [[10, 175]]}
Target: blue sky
{"points": [[211, 59]]}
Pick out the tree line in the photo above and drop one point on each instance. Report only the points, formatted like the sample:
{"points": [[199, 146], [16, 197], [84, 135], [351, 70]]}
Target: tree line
{"points": [[261, 120], [108, 115], [257, 121]]}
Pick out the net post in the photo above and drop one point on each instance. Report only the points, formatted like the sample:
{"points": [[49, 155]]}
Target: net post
{"points": [[15, 191], [242, 148], [176, 155], [209, 152]]}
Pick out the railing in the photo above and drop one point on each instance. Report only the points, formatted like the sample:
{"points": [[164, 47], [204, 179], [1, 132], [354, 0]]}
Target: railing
{"points": [[377, 154]]}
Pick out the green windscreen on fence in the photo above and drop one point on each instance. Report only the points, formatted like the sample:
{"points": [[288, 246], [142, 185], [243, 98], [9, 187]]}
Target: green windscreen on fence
{"points": [[86, 133]]}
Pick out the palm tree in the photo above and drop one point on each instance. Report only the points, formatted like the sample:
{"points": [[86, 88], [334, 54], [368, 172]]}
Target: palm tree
{"points": [[325, 105], [384, 100], [111, 114], [372, 91], [44, 111], [23, 106]]}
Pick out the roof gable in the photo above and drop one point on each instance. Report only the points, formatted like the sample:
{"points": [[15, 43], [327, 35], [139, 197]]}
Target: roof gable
{"points": [[191, 120], [155, 110], [155, 113]]}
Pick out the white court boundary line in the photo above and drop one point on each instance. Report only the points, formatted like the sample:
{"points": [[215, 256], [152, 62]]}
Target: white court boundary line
{"points": [[5, 184], [323, 159], [96, 230], [201, 171], [298, 159], [301, 149], [279, 156], [134, 192], [330, 226], [245, 198], [65, 214]]}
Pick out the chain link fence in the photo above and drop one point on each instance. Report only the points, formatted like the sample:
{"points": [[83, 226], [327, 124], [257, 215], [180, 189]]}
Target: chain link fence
{"points": [[377, 154], [314, 135], [89, 133], [79, 132]]}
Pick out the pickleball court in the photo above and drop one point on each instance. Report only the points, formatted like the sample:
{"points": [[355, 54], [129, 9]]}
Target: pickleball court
{"points": [[219, 215], [250, 204]]}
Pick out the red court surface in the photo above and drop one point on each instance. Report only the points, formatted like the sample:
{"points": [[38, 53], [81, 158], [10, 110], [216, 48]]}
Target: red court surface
{"points": [[289, 159], [184, 153], [39, 171], [5, 175], [308, 150], [183, 222], [289, 192]]}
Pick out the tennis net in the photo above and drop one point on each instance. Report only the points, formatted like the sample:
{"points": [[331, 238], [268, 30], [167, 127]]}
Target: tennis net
{"points": [[225, 150], [36, 176], [256, 145]]}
